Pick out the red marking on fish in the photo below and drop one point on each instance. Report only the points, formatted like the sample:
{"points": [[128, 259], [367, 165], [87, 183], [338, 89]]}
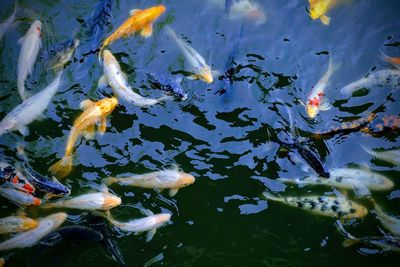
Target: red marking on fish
{"points": [[28, 188], [14, 180], [314, 102]]}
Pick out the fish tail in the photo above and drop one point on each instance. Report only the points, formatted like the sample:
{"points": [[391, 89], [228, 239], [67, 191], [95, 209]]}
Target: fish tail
{"points": [[62, 167], [21, 89], [349, 242], [109, 181]]}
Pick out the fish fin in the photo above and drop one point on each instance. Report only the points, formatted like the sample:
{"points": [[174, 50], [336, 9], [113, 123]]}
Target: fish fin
{"points": [[325, 20], [150, 235], [48, 196], [85, 104], [147, 31], [193, 77], [349, 242], [302, 103], [104, 188], [89, 132], [173, 191], [215, 73], [102, 82], [325, 106], [109, 181], [269, 196], [146, 212], [134, 11], [62, 167], [24, 130], [51, 240], [360, 189], [369, 151], [21, 40], [103, 125]]}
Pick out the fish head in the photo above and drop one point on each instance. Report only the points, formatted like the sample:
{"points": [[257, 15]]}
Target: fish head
{"points": [[156, 11], [29, 223], [57, 218], [185, 179], [162, 218], [110, 201], [206, 75], [37, 26], [108, 57], [358, 211], [312, 108], [318, 9], [107, 105]]}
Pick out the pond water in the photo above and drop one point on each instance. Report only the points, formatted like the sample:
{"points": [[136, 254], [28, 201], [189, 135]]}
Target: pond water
{"points": [[225, 136]]}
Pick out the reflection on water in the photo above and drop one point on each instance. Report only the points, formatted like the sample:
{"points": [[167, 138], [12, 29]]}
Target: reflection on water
{"points": [[225, 133]]}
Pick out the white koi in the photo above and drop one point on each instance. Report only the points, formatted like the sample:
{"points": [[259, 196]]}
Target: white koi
{"points": [[390, 222], [31, 44], [392, 156], [29, 110]]}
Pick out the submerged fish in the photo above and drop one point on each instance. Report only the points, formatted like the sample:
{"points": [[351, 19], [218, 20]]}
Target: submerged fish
{"points": [[19, 197], [338, 207], [74, 233], [91, 201], [166, 179], [7, 23], [390, 222], [149, 223], [32, 237], [30, 45], [59, 54], [15, 224], [347, 178], [116, 79], [378, 78], [199, 66], [94, 112], [387, 243], [11, 177], [52, 187], [94, 27], [108, 241], [29, 110], [318, 9], [392, 60], [166, 84], [245, 9], [310, 157], [392, 156], [139, 21], [316, 101]]}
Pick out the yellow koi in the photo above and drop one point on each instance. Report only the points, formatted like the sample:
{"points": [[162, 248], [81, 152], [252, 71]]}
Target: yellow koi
{"points": [[318, 8], [139, 21], [94, 112], [15, 224]]}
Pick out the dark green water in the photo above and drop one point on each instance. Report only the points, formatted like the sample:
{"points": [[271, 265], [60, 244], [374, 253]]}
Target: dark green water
{"points": [[225, 141]]}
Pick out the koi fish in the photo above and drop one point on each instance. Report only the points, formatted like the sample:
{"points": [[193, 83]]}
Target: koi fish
{"points": [[149, 223], [200, 68], [168, 85], [59, 54], [116, 79], [11, 177], [139, 21], [391, 60], [93, 113], [108, 241], [166, 179], [347, 178], [316, 101], [32, 237], [29, 110], [390, 222], [380, 77], [71, 233], [338, 207], [91, 201], [310, 157], [2, 262], [19, 197], [16, 224], [245, 9], [318, 9], [387, 243], [30, 45], [95, 25], [392, 156], [7, 23]]}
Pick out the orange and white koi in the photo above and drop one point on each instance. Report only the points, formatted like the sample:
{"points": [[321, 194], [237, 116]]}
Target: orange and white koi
{"points": [[19, 197], [201, 71], [139, 21], [94, 112], [15, 224], [91, 201], [316, 101], [32, 237]]}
